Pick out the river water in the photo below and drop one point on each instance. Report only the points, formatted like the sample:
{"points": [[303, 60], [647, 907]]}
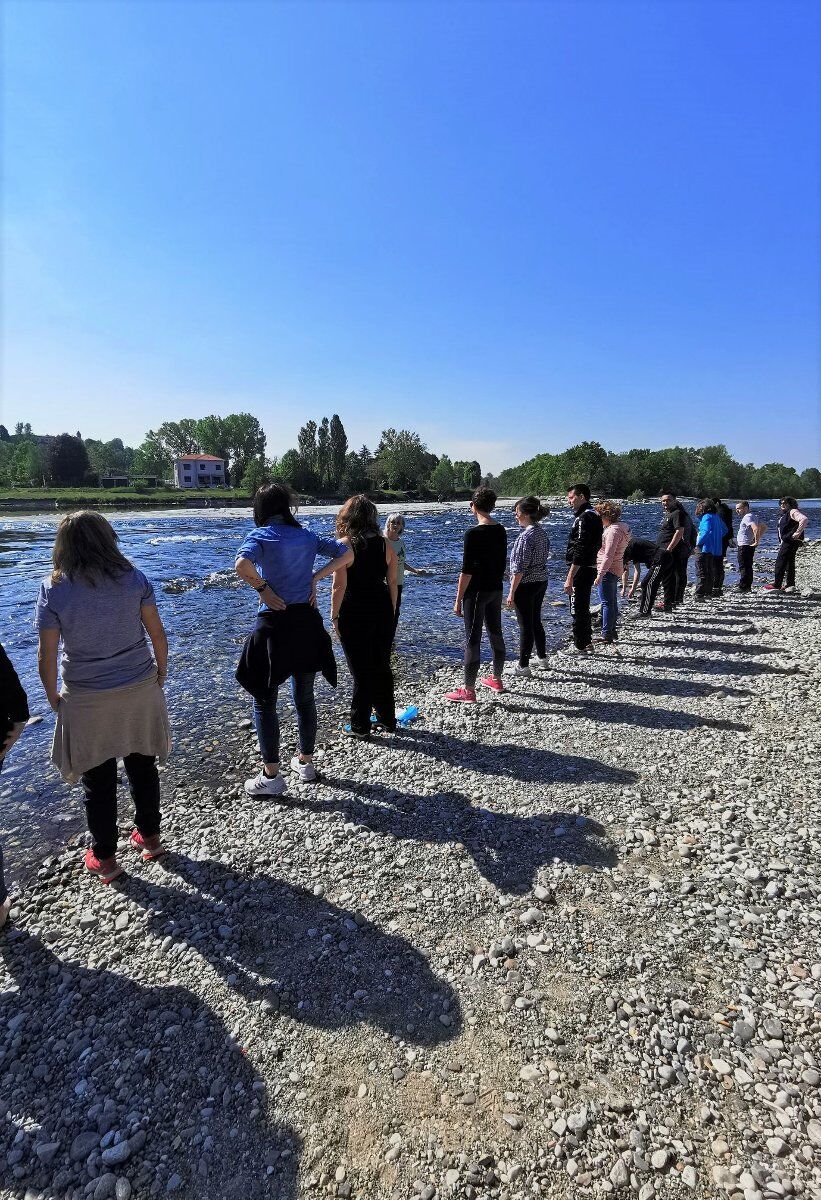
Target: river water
{"points": [[189, 557]]}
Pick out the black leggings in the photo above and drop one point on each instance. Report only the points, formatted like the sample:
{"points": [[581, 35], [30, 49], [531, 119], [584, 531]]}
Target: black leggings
{"points": [[785, 564], [528, 599], [482, 609], [366, 629], [100, 787]]}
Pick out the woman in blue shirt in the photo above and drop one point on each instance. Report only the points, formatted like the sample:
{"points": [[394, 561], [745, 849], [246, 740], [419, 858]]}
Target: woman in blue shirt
{"points": [[277, 559], [709, 547]]}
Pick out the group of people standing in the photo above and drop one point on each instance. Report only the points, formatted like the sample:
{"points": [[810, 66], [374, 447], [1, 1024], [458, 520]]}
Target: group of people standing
{"points": [[103, 612]]}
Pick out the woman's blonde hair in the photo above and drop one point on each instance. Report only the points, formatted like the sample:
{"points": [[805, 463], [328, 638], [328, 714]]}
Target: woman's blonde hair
{"points": [[610, 509], [86, 547], [395, 519]]}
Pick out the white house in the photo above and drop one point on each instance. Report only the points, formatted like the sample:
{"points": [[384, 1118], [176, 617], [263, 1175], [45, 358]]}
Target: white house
{"points": [[199, 471]]}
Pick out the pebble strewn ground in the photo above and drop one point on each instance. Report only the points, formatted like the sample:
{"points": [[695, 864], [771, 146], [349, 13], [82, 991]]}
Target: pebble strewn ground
{"points": [[565, 942]]}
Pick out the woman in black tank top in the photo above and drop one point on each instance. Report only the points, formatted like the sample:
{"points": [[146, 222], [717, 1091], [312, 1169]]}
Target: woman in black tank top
{"points": [[363, 604]]}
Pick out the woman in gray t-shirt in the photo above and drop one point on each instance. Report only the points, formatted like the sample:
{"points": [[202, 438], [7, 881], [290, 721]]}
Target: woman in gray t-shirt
{"points": [[111, 704]]}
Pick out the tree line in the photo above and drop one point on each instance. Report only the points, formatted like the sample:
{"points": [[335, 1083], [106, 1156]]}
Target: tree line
{"points": [[708, 471], [322, 463]]}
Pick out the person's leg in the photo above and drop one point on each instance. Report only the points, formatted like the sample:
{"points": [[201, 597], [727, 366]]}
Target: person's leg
{"points": [[539, 590], [302, 691], [523, 600], [4, 892], [100, 788], [493, 625], [670, 578], [790, 577], [399, 590], [781, 559], [609, 606], [681, 574], [745, 568], [718, 568], [580, 603], [144, 784], [267, 726], [383, 688], [473, 616], [657, 576]]}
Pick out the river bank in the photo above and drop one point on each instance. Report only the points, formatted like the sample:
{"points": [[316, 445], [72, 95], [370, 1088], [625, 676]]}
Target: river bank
{"points": [[563, 943]]}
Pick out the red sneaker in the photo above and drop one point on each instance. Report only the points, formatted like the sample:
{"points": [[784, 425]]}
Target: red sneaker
{"points": [[770, 587], [106, 869], [464, 694], [148, 847], [495, 685]]}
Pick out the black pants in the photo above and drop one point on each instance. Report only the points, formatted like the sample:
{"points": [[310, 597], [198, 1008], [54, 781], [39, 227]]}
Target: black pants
{"points": [[528, 599], [745, 567], [681, 557], [100, 787], [580, 607], [661, 574], [398, 606], [718, 568], [706, 565], [482, 610], [366, 631], [785, 564]]}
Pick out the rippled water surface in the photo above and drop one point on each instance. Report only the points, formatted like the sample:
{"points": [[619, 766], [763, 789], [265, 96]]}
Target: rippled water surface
{"points": [[189, 556]]}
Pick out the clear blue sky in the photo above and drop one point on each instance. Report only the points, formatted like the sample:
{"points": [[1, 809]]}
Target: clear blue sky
{"points": [[509, 226]]}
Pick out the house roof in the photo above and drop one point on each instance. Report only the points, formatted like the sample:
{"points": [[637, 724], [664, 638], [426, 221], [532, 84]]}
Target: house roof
{"points": [[199, 458]]}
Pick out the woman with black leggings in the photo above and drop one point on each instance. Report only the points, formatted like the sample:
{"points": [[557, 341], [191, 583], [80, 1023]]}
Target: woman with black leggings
{"points": [[528, 581]]}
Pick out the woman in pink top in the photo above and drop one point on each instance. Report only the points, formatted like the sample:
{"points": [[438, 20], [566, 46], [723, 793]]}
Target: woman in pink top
{"points": [[610, 565]]}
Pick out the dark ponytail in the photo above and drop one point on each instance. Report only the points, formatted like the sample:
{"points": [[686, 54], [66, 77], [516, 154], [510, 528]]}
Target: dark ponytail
{"points": [[531, 506]]}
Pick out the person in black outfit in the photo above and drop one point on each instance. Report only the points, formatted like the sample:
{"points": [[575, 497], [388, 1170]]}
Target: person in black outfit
{"points": [[791, 526], [726, 514], [363, 612], [670, 559], [641, 554], [479, 595], [14, 712], [583, 545]]}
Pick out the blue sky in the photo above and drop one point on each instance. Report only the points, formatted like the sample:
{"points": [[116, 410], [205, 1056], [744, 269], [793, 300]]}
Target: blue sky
{"points": [[511, 227]]}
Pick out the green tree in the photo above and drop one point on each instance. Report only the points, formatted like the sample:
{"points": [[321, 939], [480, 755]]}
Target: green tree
{"points": [[26, 467], [66, 460], [402, 460], [256, 473], [442, 478], [176, 438], [4, 434], [338, 451], [323, 453], [151, 459], [810, 481], [355, 477], [212, 436], [245, 439], [306, 448]]}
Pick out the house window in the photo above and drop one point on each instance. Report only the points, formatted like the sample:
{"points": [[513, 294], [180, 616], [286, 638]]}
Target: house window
{"points": [[218, 467]]}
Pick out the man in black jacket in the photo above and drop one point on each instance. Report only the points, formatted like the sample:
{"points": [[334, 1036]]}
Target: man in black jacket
{"points": [[583, 544], [670, 559], [14, 712]]}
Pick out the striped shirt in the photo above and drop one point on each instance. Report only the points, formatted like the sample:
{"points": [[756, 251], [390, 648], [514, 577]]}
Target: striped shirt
{"points": [[530, 554]]}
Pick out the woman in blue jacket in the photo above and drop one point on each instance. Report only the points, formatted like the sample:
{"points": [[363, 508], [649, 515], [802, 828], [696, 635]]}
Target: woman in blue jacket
{"points": [[709, 548]]}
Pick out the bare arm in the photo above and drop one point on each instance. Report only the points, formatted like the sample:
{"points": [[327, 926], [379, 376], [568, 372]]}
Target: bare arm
{"points": [[514, 583], [338, 589], [676, 538], [758, 533], [49, 640], [336, 564], [151, 619], [250, 575], [461, 588], [392, 573]]}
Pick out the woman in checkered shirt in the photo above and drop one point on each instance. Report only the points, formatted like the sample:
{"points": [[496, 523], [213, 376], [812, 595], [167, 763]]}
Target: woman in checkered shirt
{"points": [[528, 581]]}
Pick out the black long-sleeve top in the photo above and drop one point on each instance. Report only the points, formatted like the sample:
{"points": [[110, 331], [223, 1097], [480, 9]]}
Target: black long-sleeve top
{"points": [[14, 705], [585, 538]]}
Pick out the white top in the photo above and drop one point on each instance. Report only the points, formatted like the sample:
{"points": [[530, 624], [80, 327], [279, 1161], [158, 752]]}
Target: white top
{"points": [[746, 532]]}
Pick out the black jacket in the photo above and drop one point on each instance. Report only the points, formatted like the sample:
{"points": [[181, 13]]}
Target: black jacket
{"points": [[291, 642], [13, 700], [584, 540]]}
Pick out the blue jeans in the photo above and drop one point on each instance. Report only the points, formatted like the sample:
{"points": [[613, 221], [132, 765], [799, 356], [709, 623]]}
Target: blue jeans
{"points": [[609, 588], [267, 721]]}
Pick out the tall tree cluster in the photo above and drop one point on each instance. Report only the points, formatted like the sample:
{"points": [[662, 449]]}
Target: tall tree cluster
{"points": [[708, 471]]}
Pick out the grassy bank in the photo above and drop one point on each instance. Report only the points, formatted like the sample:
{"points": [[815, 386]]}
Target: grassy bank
{"points": [[34, 499]]}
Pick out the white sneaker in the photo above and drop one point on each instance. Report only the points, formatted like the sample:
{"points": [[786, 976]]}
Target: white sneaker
{"points": [[305, 771], [518, 670], [265, 785], [542, 664]]}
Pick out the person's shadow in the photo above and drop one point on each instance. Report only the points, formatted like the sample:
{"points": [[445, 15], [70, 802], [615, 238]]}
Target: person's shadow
{"points": [[299, 955], [508, 849], [92, 1053]]}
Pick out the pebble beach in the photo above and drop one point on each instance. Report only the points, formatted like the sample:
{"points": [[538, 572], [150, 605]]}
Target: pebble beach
{"points": [[564, 942]]}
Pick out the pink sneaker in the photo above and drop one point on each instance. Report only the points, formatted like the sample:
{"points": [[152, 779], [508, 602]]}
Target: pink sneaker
{"points": [[495, 685], [148, 847], [465, 694], [770, 587], [106, 869]]}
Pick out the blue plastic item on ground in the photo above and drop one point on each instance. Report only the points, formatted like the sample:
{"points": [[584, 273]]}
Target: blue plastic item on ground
{"points": [[410, 714]]}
